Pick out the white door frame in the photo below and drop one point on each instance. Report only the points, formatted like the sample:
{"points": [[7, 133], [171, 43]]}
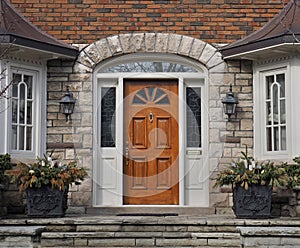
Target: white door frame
{"points": [[115, 192]]}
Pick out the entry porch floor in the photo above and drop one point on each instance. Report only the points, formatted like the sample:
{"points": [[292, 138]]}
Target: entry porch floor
{"points": [[149, 230]]}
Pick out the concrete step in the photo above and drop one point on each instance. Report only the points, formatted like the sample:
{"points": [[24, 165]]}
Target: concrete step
{"points": [[136, 239], [142, 231], [20, 236]]}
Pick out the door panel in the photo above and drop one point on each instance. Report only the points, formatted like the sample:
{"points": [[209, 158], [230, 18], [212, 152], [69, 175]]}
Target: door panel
{"points": [[151, 142], [139, 168], [139, 132], [163, 133], [164, 173]]}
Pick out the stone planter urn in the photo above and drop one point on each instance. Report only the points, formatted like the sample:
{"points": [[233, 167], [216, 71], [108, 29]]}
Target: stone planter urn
{"points": [[46, 202], [254, 203]]}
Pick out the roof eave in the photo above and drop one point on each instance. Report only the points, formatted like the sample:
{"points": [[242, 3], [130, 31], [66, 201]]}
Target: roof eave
{"points": [[254, 54], [237, 52], [59, 51]]}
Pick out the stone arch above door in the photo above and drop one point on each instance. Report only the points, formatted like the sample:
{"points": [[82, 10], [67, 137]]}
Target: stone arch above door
{"points": [[105, 48], [83, 83]]}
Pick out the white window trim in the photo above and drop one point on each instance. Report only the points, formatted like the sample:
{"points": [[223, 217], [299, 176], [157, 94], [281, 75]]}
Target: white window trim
{"points": [[39, 109], [259, 91]]}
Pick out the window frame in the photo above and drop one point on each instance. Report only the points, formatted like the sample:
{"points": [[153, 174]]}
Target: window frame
{"points": [[18, 124], [260, 112], [113, 134], [200, 129], [39, 122], [272, 125]]}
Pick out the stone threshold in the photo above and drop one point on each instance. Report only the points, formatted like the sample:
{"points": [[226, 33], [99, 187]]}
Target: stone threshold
{"points": [[151, 210]]}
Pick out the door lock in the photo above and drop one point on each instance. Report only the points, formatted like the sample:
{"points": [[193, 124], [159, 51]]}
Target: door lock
{"points": [[151, 117]]}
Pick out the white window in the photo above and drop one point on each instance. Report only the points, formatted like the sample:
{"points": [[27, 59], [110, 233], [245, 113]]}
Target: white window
{"points": [[271, 113], [23, 118], [22, 100], [108, 118], [275, 119], [193, 117]]}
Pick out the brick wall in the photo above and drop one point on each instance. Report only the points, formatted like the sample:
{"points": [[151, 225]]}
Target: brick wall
{"points": [[85, 21]]}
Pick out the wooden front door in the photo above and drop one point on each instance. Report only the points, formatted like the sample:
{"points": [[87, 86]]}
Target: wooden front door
{"points": [[150, 142]]}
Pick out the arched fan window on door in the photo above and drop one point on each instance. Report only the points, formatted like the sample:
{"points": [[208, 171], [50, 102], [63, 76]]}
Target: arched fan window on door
{"points": [[151, 95]]}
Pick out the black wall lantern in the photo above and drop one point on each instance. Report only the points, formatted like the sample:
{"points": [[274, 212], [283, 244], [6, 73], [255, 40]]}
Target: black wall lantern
{"points": [[67, 104], [229, 103]]}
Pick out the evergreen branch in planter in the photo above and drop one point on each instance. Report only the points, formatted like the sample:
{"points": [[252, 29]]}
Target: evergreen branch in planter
{"points": [[247, 171], [47, 172], [293, 172]]}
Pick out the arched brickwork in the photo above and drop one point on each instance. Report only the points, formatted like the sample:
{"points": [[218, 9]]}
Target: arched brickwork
{"points": [[203, 52], [81, 83]]}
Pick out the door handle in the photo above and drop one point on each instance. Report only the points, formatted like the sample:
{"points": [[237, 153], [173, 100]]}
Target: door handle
{"points": [[127, 154], [151, 117]]}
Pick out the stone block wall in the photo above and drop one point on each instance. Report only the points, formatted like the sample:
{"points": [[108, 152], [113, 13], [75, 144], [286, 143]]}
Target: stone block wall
{"points": [[21, 236], [271, 237], [71, 140], [3, 207], [75, 139], [14, 200], [235, 134], [115, 27]]}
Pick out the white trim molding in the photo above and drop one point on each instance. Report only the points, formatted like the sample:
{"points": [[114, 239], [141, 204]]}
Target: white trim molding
{"points": [[261, 71], [38, 72]]}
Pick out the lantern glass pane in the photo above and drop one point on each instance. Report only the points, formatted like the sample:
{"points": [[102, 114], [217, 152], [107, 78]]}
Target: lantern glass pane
{"points": [[229, 108]]}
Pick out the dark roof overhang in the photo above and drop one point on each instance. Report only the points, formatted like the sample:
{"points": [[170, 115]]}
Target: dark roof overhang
{"points": [[17, 32], [281, 36], [37, 47]]}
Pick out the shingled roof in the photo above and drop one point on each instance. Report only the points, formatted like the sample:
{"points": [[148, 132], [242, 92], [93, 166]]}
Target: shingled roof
{"points": [[16, 30], [280, 35]]}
